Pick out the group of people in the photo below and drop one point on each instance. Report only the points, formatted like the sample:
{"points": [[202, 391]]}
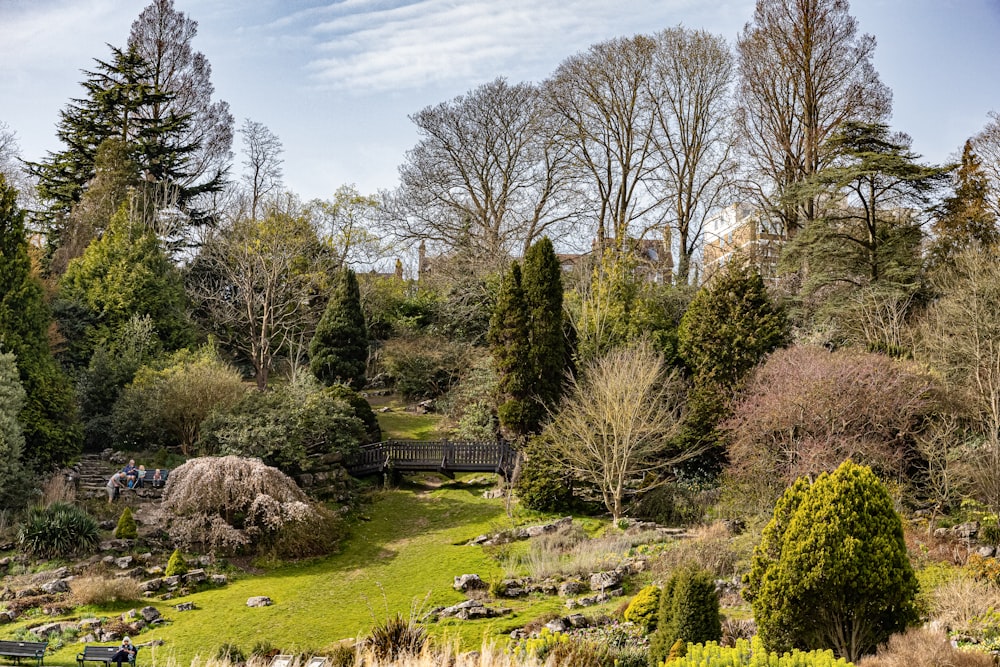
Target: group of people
{"points": [[131, 477]]}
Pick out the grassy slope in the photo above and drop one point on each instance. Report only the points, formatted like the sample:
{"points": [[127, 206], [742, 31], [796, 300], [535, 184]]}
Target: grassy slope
{"points": [[406, 554]]}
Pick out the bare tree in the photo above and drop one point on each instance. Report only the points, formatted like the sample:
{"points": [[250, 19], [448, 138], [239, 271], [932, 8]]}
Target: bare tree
{"points": [[11, 167], [254, 282], [961, 339], [162, 35], [347, 225], [690, 81], [804, 70], [613, 427], [262, 162], [987, 147], [602, 100], [485, 179]]}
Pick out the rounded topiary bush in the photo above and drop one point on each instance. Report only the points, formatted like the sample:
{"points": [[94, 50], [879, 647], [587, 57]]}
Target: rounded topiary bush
{"points": [[176, 565], [643, 608], [127, 528], [60, 529]]}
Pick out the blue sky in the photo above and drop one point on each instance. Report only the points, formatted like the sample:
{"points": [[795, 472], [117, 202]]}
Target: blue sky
{"points": [[336, 80]]}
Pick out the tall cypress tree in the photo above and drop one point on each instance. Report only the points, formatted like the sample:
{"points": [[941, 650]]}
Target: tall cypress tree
{"points": [[338, 351], [543, 299], [51, 431], [511, 349]]}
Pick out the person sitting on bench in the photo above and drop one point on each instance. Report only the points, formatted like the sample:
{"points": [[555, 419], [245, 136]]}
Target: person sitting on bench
{"points": [[126, 652]]}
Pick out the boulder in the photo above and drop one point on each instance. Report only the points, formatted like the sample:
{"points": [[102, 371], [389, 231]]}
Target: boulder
{"points": [[7, 616], [195, 576], [175, 580], [986, 552], [468, 582], [571, 587], [259, 601], [577, 621], [151, 585], [124, 563], [557, 625], [150, 613], [601, 581], [967, 530], [56, 586], [218, 579], [188, 606]]}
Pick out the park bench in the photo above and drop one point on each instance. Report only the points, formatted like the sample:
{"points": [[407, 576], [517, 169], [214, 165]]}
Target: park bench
{"points": [[147, 479], [94, 653], [18, 650]]}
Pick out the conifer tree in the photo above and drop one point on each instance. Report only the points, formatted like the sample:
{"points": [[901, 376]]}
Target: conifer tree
{"points": [[338, 351], [12, 399], [689, 612], [511, 349], [51, 431], [832, 569], [966, 218], [543, 300]]}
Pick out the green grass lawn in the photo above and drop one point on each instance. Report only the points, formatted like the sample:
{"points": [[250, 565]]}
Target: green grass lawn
{"points": [[404, 555], [401, 425]]}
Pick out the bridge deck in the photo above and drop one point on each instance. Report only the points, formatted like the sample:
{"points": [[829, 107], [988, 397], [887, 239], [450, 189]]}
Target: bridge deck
{"points": [[439, 456]]}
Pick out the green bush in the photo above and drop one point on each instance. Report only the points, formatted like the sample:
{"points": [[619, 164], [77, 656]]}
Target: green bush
{"points": [[751, 654], [543, 484], [126, 529], [689, 611], [989, 532], [60, 529], [644, 608], [423, 366], [176, 565]]}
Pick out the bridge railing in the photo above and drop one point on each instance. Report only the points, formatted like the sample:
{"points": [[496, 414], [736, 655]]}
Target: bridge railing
{"points": [[446, 455]]}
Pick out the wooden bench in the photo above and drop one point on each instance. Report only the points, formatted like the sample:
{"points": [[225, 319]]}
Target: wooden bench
{"points": [[148, 482], [93, 653], [18, 650]]}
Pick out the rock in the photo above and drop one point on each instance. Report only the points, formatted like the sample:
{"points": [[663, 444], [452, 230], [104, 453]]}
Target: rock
{"points": [[557, 625], [56, 586], [600, 581], [130, 615], [571, 587], [150, 614], [154, 571], [967, 530], [493, 494], [107, 525], [5, 561], [577, 621], [188, 606], [468, 582], [259, 601], [195, 576], [124, 562], [986, 552], [175, 580], [205, 561], [51, 628], [218, 579], [513, 592], [151, 585], [89, 622], [940, 533], [7, 616]]}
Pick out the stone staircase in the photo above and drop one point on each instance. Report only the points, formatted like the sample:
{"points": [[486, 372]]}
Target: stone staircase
{"points": [[90, 477]]}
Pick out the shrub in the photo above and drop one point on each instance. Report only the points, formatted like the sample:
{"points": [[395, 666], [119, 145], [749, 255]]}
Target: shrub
{"points": [[57, 530], [543, 484], [126, 529], [644, 608], [232, 504], [104, 590], [231, 653], [343, 655], [264, 649], [579, 653], [989, 532], [920, 647], [176, 565], [540, 645], [709, 547], [423, 366], [689, 611], [394, 638], [752, 654]]}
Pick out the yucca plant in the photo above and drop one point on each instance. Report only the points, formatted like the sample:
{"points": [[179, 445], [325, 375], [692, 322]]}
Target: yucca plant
{"points": [[60, 529]]}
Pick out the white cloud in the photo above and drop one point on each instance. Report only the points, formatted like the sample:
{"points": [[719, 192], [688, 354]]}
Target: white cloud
{"points": [[375, 46]]}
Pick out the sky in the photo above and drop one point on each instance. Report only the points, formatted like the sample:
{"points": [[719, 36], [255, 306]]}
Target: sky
{"points": [[336, 80]]}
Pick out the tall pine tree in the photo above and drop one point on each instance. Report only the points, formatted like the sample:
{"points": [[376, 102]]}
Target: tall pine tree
{"points": [[511, 349], [965, 218], [543, 299], [51, 431], [338, 351]]}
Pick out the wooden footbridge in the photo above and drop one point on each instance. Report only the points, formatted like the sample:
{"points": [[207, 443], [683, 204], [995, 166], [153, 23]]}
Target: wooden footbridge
{"points": [[443, 456]]}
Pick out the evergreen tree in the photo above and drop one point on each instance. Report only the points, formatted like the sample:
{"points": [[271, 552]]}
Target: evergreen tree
{"points": [[51, 432], [728, 328], [832, 569], [543, 299], [338, 351], [966, 218], [12, 400], [124, 274], [689, 612], [511, 349]]}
